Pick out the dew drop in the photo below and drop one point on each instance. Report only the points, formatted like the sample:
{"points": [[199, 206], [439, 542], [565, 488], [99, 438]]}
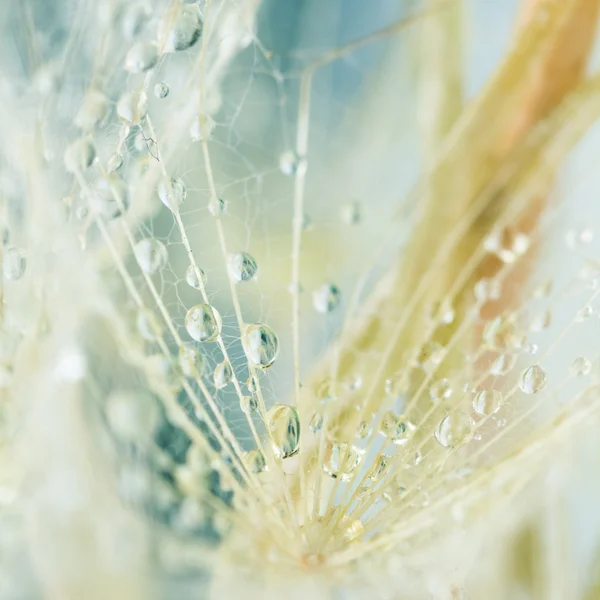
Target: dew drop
{"points": [[141, 57], [172, 193], [242, 266], [80, 155], [14, 263], [115, 162], [584, 313], [486, 290], [93, 111], [248, 404], [351, 213], [454, 430], [252, 384], [487, 402], [316, 423], [147, 325], [256, 461], [395, 428], [533, 380], [202, 128], [132, 107], [581, 367], [161, 90], [326, 298], [503, 364], [283, 424], [191, 361], [185, 31], [203, 323], [340, 460], [151, 255], [363, 430], [217, 207], [440, 390], [110, 196], [442, 312], [223, 374], [541, 321], [191, 277], [288, 163], [430, 355], [260, 344]]}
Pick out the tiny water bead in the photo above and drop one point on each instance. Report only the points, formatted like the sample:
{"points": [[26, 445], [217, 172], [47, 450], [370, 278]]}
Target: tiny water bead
{"points": [[454, 430], [185, 31], [115, 162], [252, 384], [242, 266], [440, 390], [223, 374], [151, 255], [288, 163], [581, 367], [217, 207], [110, 196], [80, 155], [248, 404], [283, 425], [260, 344], [351, 213], [191, 361], [326, 298], [203, 323], [161, 90], [316, 423], [503, 364], [141, 57], [132, 107], [172, 192], [340, 460], [541, 321], [442, 312], [147, 325], [487, 402], [192, 279], [202, 128], [14, 263], [93, 111], [256, 461], [533, 380], [395, 428], [584, 313]]}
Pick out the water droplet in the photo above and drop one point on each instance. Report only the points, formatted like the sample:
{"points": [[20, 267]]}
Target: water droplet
{"points": [[223, 375], [487, 402], [378, 468], [217, 207], [202, 128], [541, 321], [430, 355], [440, 390], [141, 57], [395, 428], [147, 325], [353, 530], [110, 196], [260, 345], [93, 111], [283, 424], [316, 423], [256, 461], [442, 312], [252, 384], [363, 430], [132, 107], [134, 19], [14, 263], [533, 380], [288, 163], [351, 213], [486, 290], [340, 460], [502, 333], [172, 192], [581, 367], [185, 31], [248, 404], [115, 162], [203, 323], [503, 364], [191, 361], [191, 277], [242, 266], [151, 255], [161, 90], [80, 155], [132, 416], [584, 313], [326, 298], [454, 430]]}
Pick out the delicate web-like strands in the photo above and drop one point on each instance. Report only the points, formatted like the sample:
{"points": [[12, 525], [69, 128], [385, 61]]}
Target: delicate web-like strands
{"points": [[226, 344]]}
